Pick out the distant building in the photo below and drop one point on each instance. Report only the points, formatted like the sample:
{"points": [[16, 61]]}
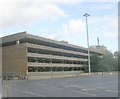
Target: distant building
{"points": [[99, 48], [36, 57]]}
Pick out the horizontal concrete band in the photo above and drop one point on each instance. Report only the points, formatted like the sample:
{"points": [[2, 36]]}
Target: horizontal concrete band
{"points": [[54, 57], [47, 75], [53, 65]]}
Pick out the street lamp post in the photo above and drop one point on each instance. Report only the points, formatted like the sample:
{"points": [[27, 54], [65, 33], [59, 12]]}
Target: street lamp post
{"points": [[86, 15]]}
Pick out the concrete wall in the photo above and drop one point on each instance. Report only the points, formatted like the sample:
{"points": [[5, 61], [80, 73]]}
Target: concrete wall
{"points": [[14, 59], [32, 64], [49, 75], [112, 73], [55, 57]]}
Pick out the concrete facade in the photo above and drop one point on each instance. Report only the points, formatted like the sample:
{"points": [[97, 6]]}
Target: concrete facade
{"points": [[32, 56]]}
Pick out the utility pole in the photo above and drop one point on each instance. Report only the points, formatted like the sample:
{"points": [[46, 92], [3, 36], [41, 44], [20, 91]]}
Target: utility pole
{"points": [[86, 15]]}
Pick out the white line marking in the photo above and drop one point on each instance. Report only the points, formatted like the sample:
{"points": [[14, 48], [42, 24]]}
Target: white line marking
{"points": [[76, 86], [84, 89], [56, 87], [85, 93], [112, 90], [49, 86], [71, 86], [23, 91], [70, 90], [100, 88]]}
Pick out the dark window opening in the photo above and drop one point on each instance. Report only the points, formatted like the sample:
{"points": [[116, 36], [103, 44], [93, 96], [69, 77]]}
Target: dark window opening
{"points": [[53, 69], [40, 51]]}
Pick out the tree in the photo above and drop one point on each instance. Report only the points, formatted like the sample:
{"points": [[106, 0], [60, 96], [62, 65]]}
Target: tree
{"points": [[117, 58], [116, 54], [108, 62], [94, 61]]}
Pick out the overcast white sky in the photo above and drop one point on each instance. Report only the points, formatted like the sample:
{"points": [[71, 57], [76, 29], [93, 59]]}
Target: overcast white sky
{"points": [[62, 20]]}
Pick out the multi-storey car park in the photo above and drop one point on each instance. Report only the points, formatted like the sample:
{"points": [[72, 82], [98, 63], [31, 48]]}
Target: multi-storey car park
{"points": [[34, 57]]}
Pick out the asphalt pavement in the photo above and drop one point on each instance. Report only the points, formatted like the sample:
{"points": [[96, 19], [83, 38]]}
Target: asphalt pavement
{"points": [[94, 86]]}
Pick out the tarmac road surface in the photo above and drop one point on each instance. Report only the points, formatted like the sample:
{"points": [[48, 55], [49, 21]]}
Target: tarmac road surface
{"points": [[94, 86]]}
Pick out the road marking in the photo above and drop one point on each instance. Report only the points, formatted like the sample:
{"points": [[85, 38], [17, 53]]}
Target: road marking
{"points": [[84, 93], [76, 86], [55, 87], [112, 90], [81, 87], [23, 91], [84, 89], [114, 82], [100, 88], [49, 86], [72, 86], [71, 90]]}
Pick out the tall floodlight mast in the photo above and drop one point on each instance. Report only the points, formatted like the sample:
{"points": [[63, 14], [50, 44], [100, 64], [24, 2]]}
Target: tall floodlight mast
{"points": [[87, 15]]}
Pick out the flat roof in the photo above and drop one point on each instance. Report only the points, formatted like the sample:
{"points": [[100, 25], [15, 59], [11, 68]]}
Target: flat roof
{"points": [[23, 35]]}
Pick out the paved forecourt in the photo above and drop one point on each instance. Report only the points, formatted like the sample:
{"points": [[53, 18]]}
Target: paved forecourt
{"points": [[94, 86]]}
